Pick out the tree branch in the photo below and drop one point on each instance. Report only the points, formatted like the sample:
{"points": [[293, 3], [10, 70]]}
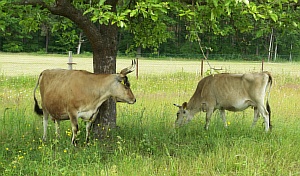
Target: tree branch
{"points": [[66, 9]]}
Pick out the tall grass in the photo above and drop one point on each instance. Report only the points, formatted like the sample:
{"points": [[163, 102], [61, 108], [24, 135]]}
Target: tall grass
{"points": [[145, 142]]}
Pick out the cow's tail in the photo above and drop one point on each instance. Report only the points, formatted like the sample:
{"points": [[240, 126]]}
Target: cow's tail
{"points": [[37, 109], [267, 104]]}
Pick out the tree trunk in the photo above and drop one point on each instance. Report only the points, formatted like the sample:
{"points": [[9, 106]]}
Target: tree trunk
{"points": [[103, 39], [290, 59], [104, 61], [47, 41], [275, 52], [270, 45]]}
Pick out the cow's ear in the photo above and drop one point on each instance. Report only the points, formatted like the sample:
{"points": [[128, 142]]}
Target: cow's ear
{"points": [[120, 78], [184, 105], [177, 105], [121, 75]]}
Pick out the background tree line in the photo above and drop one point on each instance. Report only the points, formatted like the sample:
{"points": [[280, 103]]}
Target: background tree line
{"points": [[230, 34]]}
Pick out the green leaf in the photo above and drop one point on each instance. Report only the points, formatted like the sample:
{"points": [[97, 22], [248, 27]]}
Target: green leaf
{"points": [[2, 3], [154, 17], [274, 17], [215, 3], [88, 11], [133, 13], [246, 2], [2, 28], [94, 19], [121, 24], [212, 15], [101, 2], [261, 16], [295, 24]]}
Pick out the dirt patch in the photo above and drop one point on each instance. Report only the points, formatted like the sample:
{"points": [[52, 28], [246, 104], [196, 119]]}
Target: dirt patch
{"points": [[291, 86]]}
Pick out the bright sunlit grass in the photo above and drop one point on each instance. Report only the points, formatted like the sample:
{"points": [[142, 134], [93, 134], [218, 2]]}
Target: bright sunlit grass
{"points": [[146, 142]]}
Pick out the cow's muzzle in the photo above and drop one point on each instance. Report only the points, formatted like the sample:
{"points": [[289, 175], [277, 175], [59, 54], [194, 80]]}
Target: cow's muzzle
{"points": [[126, 101], [132, 102]]}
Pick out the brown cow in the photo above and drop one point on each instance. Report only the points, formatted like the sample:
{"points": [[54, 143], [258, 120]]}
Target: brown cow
{"points": [[232, 92], [73, 94]]}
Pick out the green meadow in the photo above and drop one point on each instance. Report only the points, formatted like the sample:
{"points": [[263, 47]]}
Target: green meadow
{"points": [[145, 141]]}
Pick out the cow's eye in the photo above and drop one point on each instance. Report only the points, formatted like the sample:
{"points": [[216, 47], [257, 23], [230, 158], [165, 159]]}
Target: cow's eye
{"points": [[126, 84], [122, 82]]}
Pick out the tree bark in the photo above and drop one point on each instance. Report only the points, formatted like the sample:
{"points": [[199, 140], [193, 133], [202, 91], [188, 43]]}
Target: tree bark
{"points": [[104, 61]]}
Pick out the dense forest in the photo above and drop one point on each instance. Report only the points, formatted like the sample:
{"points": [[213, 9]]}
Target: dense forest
{"points": [[237, 36]]}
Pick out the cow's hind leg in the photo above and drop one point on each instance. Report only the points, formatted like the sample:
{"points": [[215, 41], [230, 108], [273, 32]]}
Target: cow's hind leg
{"points": [[74, 123], [57, 128], [263, 111], [45, 125], [256, 116], [222, 114]]}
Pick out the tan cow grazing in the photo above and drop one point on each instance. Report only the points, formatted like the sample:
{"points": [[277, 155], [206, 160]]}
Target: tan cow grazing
{"points": [[232, 92], [73, 94]]}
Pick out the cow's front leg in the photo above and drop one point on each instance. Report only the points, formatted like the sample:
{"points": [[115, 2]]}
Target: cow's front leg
{"points": [[208, 117], [89, 124], [45, 125], [88, 129]]}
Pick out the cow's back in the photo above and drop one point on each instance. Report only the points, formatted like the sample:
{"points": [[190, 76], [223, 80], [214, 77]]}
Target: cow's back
{"points": [[230, 90]]}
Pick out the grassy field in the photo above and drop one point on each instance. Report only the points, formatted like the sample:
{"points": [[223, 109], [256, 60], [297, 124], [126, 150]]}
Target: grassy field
{"points": [[146, 143], [24, 64]]}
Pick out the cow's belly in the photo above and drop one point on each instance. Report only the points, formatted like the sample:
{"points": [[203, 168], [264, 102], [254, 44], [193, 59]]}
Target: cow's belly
{"points": [[235, 106], [62, 117], [59, 115], [87, 115], [56, 110]]}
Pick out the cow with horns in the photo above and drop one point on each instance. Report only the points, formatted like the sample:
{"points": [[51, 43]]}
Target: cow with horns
{"points": [[232, 92], [73, 94]]}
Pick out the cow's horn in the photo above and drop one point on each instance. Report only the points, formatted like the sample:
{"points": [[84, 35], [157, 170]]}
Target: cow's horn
{"points": [[129, 69]]}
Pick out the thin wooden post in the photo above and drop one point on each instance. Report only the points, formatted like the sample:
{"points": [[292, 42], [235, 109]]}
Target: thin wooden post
{"points": [[137, 68], [262, 65], [70, 63], [138, 55], [201, 72]]}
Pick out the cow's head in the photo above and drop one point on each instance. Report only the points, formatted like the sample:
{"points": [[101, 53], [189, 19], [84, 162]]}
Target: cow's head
{"points": [[122, 91], [182, 114]]}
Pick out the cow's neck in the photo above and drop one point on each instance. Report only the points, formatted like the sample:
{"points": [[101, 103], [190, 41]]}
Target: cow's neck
{"points": [[193, 106]]}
